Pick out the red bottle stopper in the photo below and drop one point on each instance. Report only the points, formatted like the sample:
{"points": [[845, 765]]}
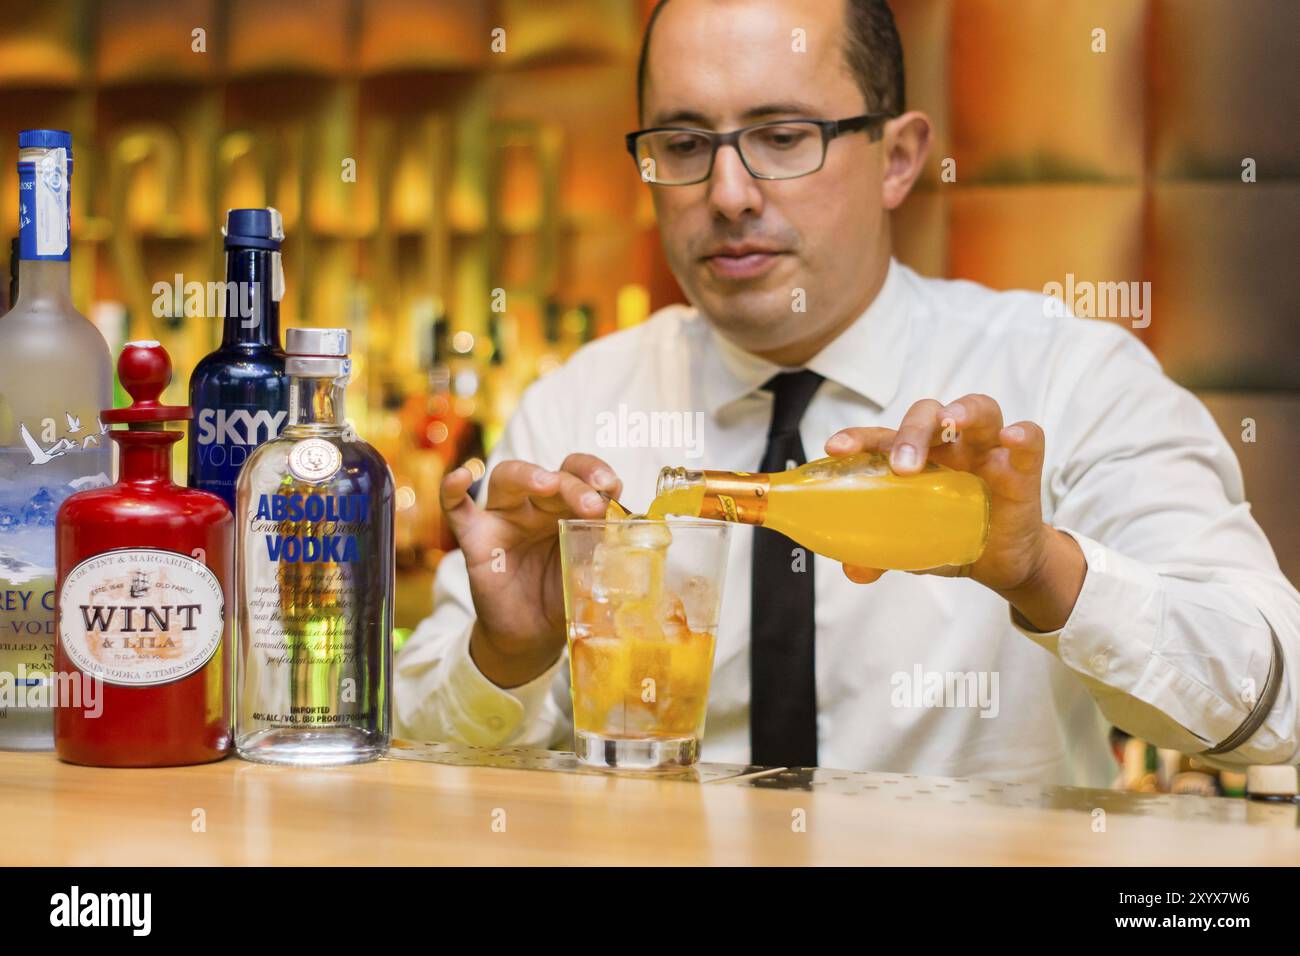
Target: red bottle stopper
{"points": [[144, 369]]}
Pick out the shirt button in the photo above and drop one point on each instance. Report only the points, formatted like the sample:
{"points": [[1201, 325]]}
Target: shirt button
{"points": [[1100, 664], [495, 722]]}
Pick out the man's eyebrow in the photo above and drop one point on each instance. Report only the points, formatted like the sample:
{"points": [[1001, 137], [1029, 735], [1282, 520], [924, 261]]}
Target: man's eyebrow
{"points": [[680, 118], [779, 109], [763, 111]]}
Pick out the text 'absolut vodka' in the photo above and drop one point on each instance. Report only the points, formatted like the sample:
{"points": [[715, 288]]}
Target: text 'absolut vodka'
{"points": [[335, 512]]}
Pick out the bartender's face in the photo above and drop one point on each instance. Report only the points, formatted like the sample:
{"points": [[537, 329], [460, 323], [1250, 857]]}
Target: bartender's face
{"points": [[749, 252]]}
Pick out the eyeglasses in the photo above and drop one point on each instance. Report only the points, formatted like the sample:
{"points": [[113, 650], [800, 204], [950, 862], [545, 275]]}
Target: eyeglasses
{"points": [[780, 149]]}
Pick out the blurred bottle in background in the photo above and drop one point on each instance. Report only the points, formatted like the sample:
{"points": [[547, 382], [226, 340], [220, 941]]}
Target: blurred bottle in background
{"points": [[441, 433], [1146, 768]]}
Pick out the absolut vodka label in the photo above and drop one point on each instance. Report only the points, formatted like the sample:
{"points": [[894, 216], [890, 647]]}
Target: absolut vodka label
{"points": [[309, 529]]}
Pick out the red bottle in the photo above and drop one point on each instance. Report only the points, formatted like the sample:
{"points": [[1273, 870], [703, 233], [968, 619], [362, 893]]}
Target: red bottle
{"points": [[144, 574]]}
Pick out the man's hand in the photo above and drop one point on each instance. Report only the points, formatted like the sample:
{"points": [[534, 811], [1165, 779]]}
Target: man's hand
{"points": [[512, 551], [1036, 568]]}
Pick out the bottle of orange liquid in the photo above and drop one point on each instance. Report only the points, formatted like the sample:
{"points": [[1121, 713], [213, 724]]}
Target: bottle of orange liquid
{"points": [[852, 509]]}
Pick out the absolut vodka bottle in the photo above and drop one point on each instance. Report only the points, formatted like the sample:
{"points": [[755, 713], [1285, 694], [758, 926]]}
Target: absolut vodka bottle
{"points": [[239, 393], [55, 376], [314, 520]]}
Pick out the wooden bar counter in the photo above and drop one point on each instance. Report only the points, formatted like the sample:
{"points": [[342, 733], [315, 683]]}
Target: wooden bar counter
{"points": [[439, 804]]}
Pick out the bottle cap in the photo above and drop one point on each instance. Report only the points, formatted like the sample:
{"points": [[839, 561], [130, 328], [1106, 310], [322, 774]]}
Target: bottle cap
{"points": [[318, 353], [1232, 783], [144, 368], [45, 139], [1276, 780], [254, 228], [331, 343]]}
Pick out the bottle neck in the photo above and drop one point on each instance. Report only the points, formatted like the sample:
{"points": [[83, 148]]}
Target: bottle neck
{"points": [[45, 228], [677, 480], [146, 455], [720, 495], [252, 312], [316, 403], [44, 283]]}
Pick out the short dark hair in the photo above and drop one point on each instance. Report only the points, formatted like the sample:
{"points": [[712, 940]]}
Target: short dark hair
{"points": [[871, 48]]}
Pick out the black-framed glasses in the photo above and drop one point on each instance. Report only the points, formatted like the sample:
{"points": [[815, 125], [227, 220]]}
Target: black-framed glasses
{"points": [[777, 149]]}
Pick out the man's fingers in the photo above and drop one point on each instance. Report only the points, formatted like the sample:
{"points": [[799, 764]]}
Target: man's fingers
{"points": [[513, 482], [457, 505], [573, 497], [915, 435], [862, 575], [594, 472], [978, 418], [850, 441], [1026, 441]]}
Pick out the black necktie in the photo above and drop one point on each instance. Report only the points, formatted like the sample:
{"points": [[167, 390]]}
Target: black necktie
{"points": [[783, 686]]}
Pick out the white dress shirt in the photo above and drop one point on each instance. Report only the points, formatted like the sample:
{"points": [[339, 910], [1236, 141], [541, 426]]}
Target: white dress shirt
{"points": [[1170, 637]]}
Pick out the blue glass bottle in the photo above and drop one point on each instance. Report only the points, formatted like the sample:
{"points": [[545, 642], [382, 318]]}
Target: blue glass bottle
{"points": [[240, 393]]}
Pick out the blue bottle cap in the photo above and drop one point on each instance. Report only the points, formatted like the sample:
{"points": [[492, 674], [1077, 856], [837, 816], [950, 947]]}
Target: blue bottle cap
{"points": [[45, 139], [254, 228]]}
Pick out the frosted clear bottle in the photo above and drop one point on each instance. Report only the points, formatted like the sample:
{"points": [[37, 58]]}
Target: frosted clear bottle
{"points": [[55, 376]]}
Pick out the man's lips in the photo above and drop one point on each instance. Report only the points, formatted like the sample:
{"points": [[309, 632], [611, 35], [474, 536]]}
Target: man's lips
{"points": [[742, 262]]}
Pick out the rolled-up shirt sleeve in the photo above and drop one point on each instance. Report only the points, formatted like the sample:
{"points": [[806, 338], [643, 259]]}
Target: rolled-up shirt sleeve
{"points": [[439, 692], [1175, 629]]}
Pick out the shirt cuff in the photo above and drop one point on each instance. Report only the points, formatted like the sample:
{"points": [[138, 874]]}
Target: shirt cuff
{"points": [[1110, 641], [1111, 632], [488, 715]]}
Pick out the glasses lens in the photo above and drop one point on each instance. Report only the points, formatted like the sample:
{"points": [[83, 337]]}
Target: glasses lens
{"points": [[783, 150], [673, 157]]}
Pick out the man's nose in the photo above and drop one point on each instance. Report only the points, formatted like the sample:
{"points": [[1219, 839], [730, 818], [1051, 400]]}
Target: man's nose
{"points": [[733, 193]]}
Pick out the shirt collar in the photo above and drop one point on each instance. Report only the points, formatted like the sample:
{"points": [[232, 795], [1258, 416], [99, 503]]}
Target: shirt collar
{"points": [[866, 358]]}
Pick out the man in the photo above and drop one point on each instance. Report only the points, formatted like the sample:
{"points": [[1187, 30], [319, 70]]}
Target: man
{"points": [[1124, 580]]}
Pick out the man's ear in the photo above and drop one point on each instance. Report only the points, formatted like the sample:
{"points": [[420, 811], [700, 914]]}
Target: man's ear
{"points": [[906, 140]]}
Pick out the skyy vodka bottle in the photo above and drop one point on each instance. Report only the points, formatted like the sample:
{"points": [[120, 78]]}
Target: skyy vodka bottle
{"points": [[314, 519], [239, 393], [55, 376]]}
